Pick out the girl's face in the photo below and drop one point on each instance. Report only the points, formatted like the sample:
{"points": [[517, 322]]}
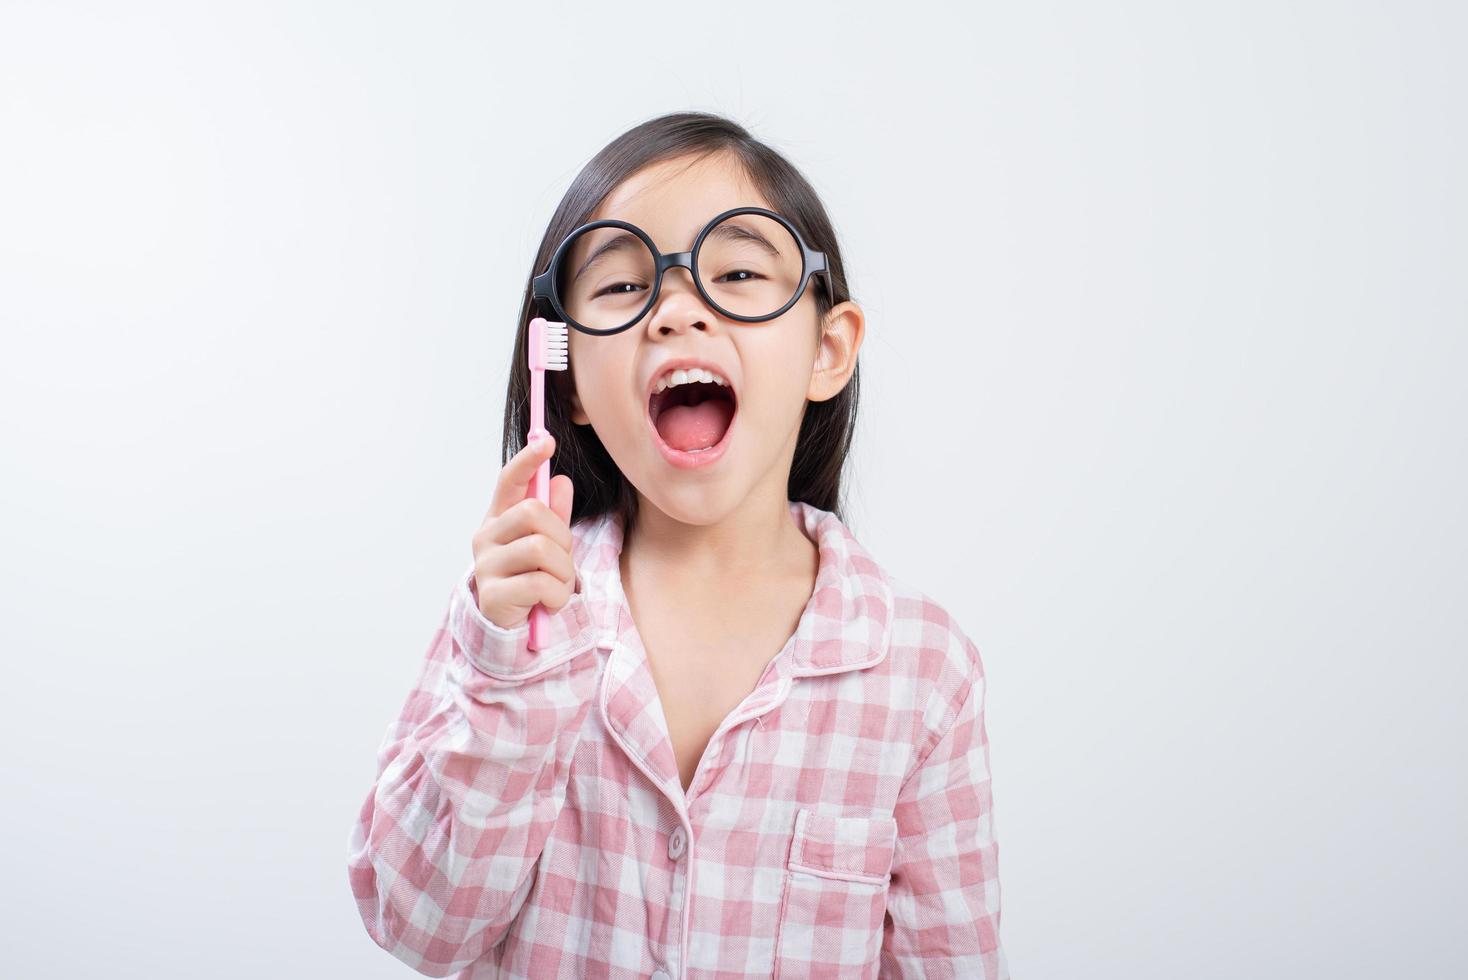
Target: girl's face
{"points": [[774, 366]]}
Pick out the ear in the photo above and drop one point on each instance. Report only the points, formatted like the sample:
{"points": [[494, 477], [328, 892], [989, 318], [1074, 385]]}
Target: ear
{"points": [[836, 349]]}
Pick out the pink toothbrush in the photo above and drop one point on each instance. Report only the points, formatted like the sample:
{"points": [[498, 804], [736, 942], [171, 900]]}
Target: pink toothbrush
{"points": [[548, 352]]}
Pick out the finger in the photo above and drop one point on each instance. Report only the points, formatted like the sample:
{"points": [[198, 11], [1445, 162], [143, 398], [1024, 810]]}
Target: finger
{"points": [[561, 492], [513, 483], [529, 516], [561, 593], [527, 589], [534, 552]]}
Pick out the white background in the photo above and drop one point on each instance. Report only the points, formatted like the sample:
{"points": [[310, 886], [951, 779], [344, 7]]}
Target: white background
{"points": [[1163, 399]]}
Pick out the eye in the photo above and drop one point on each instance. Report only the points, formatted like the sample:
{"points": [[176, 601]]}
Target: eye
{"points": [[737, 272], [616, 288]]}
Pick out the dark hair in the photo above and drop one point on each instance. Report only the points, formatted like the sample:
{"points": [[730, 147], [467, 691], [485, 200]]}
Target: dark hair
{"points": [[827, 428]]}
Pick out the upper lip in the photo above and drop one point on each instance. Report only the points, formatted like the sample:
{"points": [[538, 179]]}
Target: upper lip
{"points": [[675, 363]]}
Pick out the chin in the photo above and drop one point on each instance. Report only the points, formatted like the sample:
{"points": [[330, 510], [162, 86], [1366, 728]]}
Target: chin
{"points": [[694, 506]]}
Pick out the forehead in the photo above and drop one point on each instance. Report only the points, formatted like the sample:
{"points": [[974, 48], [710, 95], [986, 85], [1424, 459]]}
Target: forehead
{"points": [[673, 199]]}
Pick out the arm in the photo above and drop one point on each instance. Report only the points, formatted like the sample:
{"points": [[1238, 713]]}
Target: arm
{"points": [[943, 900], [471, 778]]}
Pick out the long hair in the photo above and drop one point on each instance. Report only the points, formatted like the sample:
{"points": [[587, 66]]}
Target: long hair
{"points": [[828, 426]]}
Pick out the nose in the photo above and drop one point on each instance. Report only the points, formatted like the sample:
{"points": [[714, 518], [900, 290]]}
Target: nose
{"points": [[679, 306]]}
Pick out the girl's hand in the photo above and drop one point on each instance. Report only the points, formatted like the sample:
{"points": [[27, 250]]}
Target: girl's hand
{"points": [[522, 550]]}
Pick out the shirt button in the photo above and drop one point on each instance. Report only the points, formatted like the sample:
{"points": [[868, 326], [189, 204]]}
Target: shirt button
{"points": [[660, 975], [677, 843]]}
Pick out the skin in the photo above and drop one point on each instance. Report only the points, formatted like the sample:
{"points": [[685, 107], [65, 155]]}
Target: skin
{"points": [[716, 570]]}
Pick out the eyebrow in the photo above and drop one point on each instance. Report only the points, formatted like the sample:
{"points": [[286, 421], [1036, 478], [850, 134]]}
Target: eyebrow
{"points": [[728, 229], [623, 240]]}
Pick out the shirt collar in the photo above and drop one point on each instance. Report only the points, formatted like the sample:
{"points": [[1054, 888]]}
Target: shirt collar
{"points": [[845, 625]]}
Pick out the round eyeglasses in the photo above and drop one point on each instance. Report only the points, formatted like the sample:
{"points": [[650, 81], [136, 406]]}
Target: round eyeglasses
{"points": [[749, 264]]}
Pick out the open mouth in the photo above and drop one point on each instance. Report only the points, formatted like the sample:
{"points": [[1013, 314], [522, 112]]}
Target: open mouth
{"points": [[694, 417]]}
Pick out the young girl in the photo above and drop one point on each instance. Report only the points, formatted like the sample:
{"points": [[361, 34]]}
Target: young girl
{"points": [[743, 749]]}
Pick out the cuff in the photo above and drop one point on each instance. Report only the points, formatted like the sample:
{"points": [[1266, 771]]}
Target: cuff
{"points": [[505, 654]]}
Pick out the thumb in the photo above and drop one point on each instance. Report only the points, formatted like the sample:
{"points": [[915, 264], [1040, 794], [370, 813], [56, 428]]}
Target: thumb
{"points": [[561, 493]]}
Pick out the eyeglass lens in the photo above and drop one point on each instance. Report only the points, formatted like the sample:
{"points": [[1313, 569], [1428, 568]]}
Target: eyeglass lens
{"points": [[749, 264]]}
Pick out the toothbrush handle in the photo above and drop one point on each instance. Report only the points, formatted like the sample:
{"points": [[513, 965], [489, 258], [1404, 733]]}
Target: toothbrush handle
{"points": [[540, 486]]}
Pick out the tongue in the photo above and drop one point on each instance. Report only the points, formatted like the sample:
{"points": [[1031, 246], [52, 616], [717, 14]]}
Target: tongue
{"points": [[690, 427]]}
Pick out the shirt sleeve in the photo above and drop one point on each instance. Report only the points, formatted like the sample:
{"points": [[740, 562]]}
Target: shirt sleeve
{"points": [[943, 898], [471, 778]]}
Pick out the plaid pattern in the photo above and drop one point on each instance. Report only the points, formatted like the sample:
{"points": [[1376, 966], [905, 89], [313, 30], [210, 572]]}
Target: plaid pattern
{"points": [[527, 819]]}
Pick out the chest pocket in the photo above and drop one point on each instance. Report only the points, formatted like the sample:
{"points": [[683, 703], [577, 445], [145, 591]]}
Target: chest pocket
{"points": [[835, 895]]}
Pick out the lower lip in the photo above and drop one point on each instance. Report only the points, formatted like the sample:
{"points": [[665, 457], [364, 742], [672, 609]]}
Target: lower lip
{"points": [[690, 461]]}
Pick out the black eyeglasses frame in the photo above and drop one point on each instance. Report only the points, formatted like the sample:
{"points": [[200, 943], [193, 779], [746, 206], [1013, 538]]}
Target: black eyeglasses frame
{"points": [[543, 286]]}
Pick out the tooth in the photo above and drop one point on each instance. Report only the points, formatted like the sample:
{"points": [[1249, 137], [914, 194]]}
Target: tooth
{"points": [[680, 377], [662, 384]]}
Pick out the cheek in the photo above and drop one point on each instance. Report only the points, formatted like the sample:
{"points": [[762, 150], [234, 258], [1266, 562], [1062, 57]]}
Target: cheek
{"points": [[778, 370], [775, 400], [599, 371], [602, 398]]}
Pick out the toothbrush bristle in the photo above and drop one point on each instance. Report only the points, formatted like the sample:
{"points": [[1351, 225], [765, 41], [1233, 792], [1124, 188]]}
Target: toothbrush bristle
{"points": [[556, 347]]}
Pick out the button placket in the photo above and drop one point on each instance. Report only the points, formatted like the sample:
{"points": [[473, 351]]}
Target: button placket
{"points": [[677, 900]]}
